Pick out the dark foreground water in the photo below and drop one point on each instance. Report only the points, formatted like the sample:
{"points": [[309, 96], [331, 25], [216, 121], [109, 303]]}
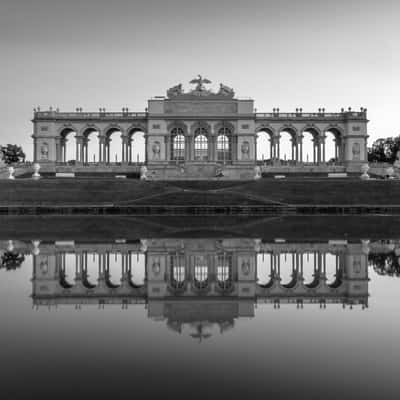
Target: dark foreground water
{"points": [[199, 310]]}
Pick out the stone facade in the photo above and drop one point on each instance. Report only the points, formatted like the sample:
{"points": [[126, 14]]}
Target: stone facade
{"points": [[201, 134]]}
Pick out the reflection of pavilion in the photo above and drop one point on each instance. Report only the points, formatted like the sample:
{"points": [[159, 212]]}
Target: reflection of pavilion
{"points": [[198, 283]]}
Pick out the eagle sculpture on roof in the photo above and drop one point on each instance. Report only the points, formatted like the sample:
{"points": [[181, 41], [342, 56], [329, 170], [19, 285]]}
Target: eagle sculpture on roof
{"points": [[199, 82]]}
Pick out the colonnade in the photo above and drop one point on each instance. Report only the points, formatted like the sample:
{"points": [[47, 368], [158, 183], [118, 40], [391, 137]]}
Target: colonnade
{"points": [[81, 272], [319, 147], [296, 264], [103, 153]]}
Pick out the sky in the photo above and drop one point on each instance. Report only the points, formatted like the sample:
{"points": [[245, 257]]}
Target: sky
{"points": [[120, 53]]}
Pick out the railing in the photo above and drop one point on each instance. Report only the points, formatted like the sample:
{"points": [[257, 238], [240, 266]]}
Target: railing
{"points": [[316, 115], [88, 115], [142, 115]]}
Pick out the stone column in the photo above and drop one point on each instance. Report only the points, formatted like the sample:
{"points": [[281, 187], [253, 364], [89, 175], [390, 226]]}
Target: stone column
{"points": [[167, 141], [300, 143], [87, 151], [64, 151], [79, 149], [271, 148], [128, 149], [124, 141], [321, 143], [293, 155], [212, 150], [191, 147], [278, 155]]}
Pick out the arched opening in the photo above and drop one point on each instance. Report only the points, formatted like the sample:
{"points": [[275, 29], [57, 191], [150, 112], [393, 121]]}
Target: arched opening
{"points": [[200, 272], [113, 146], [68, 270], [136, 147], [91, 268], [136, 269], [287, 269], [113, 269], [265, 273], [200, 145], [177, 144], [178, 273], [68, 145], [91, 146], [334, 274], [224, 145], [311, 269], [333, 145], [287, 151], [308, 148], [224, 271], [264, 145]]}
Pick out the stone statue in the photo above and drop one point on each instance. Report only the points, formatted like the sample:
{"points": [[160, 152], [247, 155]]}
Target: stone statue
{"points": [[143, 245], [143, 173], [36, 168], [175, 91], [156, 267], [36, 250], [245, 150], [246, 267], [199, 82], [44, 151], [156, 148], [11, 171], [225, 90], [356, 151], [364, 170], [257, 172]]}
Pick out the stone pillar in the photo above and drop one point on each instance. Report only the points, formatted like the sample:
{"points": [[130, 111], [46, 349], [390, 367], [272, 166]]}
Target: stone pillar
{"points": [[187, 148], [101, 142], [293, 153], [314, 150], [271, 148], [191, 147], [301, 147], [128, 155], [278, 155], [212, 150], [124, 147], [58, 150], [79, 149], [322, 150], [64, 150], [167, 143], [87, 151]]}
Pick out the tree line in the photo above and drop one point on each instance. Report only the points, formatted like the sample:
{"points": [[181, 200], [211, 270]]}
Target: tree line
{"points": [[384, 150], [12, 154]]}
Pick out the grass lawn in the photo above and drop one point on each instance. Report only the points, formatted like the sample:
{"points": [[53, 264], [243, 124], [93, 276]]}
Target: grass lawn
{"points": [[265, 191]]}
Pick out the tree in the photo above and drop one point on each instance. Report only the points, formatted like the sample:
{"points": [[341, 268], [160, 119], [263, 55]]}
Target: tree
{"points": [[11, 260], [384, 150], [12, 153]]}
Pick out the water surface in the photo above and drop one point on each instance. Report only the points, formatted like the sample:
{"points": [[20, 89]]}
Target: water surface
{"points": [[197, 313]]}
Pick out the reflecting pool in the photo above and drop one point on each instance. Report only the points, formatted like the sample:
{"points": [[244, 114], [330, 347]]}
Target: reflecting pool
{"points": [[199, 309]]}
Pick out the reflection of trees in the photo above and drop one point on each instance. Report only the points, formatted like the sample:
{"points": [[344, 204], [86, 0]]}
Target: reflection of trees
{"points": [[11, 260], [385, 264]]}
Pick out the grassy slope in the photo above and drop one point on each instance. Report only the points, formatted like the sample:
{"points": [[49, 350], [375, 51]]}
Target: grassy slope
{"points": [[323, 191]]}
